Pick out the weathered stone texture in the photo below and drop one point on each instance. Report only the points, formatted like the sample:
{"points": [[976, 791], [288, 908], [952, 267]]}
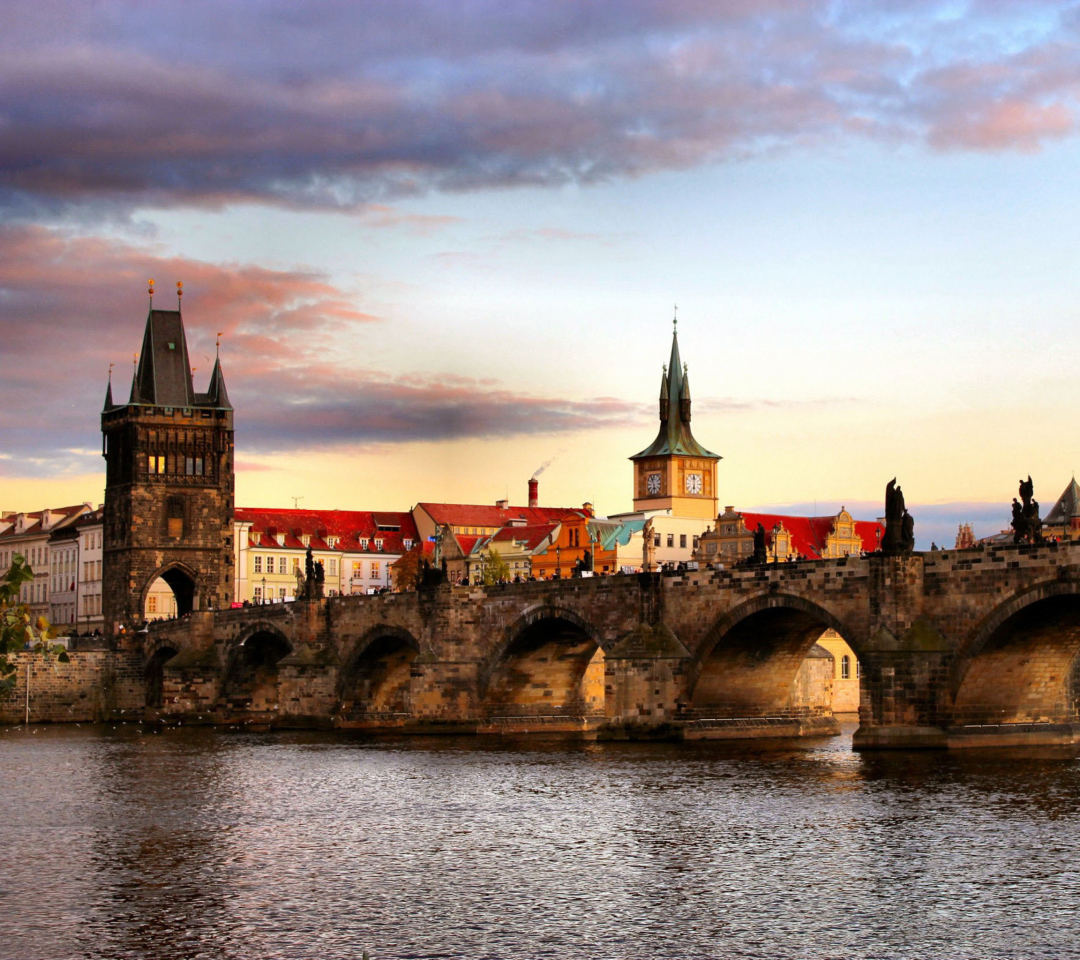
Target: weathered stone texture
{"points": [[96, 685], [949, 643]]}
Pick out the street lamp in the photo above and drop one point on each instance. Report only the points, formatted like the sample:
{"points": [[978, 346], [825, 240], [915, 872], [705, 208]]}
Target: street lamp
{"points": [[558, 562], [262, 598]]}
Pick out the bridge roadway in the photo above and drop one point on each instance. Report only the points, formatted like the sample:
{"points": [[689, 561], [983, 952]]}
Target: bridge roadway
{"points": [[956, 648]]}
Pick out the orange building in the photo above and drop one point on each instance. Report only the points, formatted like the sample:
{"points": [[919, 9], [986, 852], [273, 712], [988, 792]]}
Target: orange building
{"points": [[577, 545]]}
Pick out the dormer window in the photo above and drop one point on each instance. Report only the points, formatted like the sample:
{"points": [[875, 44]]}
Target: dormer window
{"points": [[306, 540], [331, 542], [363, 543], [408, 544], [378, 544]]}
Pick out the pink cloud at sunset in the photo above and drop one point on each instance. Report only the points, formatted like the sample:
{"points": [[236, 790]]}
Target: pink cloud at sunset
{"points": [[84, 295]]}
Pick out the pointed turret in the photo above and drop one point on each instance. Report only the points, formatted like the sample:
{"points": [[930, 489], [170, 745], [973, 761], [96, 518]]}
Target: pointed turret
{"points": [[134, 395], [684, 397], [1067, 506], [216, 394], [164, 373], [674, 436], [108, 396]]}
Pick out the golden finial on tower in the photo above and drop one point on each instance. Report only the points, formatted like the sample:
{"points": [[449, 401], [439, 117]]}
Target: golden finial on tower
{"points": [[675, 319], [179, 293], [150, 283], [217, 344], [111, 365]]}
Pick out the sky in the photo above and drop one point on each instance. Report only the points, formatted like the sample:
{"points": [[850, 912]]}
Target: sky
{"points": [[443, 242]]}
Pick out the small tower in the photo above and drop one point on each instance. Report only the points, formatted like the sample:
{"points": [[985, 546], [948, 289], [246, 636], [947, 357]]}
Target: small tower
{"points": [[676, 472], [168, 481]]}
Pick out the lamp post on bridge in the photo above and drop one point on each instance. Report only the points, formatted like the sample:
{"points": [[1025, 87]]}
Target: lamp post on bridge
{"points": [[262, 596]]}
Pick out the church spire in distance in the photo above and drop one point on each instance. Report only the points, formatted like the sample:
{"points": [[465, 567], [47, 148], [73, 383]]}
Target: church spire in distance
{"points": [[674, 436]]}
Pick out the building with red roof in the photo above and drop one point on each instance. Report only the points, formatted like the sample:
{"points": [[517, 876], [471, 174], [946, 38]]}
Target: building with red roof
{"points": [[54, 562], [355, 547], [788, 537]]}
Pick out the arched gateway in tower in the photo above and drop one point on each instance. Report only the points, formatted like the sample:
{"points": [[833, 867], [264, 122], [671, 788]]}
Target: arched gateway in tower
{"points": [[168, 482]]}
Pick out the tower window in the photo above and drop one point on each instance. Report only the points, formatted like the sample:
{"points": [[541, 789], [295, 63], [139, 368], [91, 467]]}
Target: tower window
{"points": [[174, 509], [845, 667]]}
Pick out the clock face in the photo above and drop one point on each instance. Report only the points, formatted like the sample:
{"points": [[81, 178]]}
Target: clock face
{"points": [[652, 483], [693, 483]]}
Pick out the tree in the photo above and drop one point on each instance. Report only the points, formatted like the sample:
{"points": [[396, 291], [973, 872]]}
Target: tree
{"points": [[496, 569], [17, 632], [408, 569]]}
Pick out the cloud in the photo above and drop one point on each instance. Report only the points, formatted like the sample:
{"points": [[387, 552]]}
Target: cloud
{"points": [[71, 305], [339, 105]]}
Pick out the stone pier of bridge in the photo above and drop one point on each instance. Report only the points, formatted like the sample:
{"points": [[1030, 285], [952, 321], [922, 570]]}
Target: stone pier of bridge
{"points": [[956, 648]]}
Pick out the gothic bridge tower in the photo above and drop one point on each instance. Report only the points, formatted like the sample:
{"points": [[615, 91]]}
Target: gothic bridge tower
{"points": [[675, 472], [168, 482]]}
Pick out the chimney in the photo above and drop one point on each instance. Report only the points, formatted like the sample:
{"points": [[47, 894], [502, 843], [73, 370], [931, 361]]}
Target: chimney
{"points": [[534, 493], [587, 509], [502, 504]]}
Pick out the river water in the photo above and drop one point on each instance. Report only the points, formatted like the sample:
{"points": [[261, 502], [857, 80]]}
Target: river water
{"points": [[122, 842]]}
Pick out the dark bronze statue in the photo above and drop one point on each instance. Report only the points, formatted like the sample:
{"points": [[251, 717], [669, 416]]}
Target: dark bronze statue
{"points": [[899, 524], [760, 556], [310, 584], [1026, 523]]}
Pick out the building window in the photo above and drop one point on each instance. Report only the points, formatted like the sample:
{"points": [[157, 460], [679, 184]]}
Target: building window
{"points": [[656, 540], [697, 542], [282, 565], [258, 564], [374, 569], [258, 593], [363, 543], [845, 667], [357, 570], [281, 594], [408, 544], [378, 544], [682, 540], [151, 604], [295, 564], [331, 566], [671, 540]]}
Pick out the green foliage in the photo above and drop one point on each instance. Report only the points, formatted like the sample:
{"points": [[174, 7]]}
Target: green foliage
{"points": [[495, 568], [17, 631]]}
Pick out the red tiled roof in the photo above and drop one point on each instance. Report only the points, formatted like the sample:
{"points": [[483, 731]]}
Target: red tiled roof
{"points": [[467, 543], [809, 534], [482, 515], [348, 526], [530, 536], [36, 515]]}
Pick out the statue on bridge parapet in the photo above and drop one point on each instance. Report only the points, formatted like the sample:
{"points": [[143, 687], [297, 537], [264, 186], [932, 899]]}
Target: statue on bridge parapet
{"points": [[309, 584], [648, 547], [1026, 523], [899, 524], [760, 556]]}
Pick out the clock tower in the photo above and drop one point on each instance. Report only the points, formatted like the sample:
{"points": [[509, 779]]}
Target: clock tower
{"points": [[675, 472]]}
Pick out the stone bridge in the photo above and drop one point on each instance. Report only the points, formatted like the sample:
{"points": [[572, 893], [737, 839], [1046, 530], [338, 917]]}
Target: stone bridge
{"points": [[956, 648]]}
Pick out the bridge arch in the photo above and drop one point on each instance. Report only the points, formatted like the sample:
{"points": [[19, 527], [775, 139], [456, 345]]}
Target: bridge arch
{"points": [[182, 580], [250, 684], [550, 662], [160, 651], [1022, 663], [376, 676], [754, 660]]}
